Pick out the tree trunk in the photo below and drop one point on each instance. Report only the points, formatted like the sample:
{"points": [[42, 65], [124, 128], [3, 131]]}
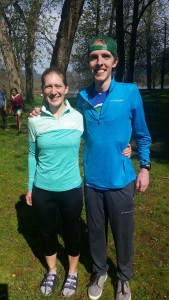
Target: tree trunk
{"points": [[149, 69], [120, 41], [31, 24], [163, 56], [29, 55], [9, 57], [149, 47], [132, 50], [111, 26], [135, 22], [71, 12], [98, 18]]}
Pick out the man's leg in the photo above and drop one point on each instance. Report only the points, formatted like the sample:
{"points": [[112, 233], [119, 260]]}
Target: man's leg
{"points": [[121, 214], [96, 221]]}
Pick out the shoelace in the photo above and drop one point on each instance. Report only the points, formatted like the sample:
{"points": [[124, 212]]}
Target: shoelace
{"points": [[122, 287], [95, 279]]}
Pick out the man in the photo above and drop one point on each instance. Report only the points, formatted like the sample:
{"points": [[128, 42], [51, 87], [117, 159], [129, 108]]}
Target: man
{"points": [[112, 112], [3, 108]]}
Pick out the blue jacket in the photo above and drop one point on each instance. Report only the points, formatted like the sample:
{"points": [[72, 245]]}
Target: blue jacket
{"points": [[108, 133]]}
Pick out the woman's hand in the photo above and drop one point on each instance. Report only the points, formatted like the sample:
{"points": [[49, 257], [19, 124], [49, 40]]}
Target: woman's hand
{"points": [[127, 151], [29, 198]]}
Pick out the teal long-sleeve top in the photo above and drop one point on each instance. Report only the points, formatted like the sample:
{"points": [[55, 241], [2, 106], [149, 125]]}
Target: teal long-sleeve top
{"points": [[53, 160]]}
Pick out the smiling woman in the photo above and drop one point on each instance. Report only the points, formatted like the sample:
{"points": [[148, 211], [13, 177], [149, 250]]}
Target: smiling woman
{"points": [[54, 177], [54, 89]]}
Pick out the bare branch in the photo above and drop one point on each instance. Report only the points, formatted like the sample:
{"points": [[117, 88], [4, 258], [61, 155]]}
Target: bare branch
{"points": [[19, 10]]}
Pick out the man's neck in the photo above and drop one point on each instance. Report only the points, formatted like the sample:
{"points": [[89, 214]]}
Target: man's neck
{"points": [[102, 87]]}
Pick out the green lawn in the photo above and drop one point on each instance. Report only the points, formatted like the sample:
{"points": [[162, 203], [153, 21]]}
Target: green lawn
{"points": [[21, 262]]}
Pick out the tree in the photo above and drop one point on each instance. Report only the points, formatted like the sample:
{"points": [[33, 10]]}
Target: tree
{"points": [[150, 42], [149, 47], [120, 41], [30, 21], [22, 24], [15, 22], [164, 55], [71, 12], [92, 19], [138, 10], [8, 53]]}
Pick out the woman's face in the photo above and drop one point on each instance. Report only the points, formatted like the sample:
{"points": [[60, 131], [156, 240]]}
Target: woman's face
{"points": [[14, 92], [54, 89]]}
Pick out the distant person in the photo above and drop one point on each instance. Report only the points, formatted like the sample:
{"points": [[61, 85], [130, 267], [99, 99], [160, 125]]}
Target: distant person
{"points": [[16, 107], [3, 106]]}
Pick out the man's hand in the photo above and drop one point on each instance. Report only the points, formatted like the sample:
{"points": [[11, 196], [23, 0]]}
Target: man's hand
{"points": [[127, 151], [142, 181], [35, 112], [29, 198]]}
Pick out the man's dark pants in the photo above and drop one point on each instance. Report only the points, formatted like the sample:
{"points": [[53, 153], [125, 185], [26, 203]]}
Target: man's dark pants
{"points": [[118, 205]]}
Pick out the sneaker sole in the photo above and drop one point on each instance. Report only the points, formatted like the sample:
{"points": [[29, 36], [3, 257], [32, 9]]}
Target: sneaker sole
{"points": [[97, 297], [46, 295], [130, 297]]}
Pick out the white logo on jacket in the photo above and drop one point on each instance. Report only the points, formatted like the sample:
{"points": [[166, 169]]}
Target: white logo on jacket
{"points": [[117, 100]]}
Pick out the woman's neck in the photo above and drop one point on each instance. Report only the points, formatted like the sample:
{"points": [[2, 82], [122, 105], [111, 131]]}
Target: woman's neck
{"points": [[57, 111]]}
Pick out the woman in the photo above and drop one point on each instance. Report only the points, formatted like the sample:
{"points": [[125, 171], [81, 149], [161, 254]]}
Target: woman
{"points": [[54, 177], [16, 107]]}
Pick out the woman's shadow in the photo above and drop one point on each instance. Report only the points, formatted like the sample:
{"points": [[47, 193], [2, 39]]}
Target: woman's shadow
{"points": [[28, 227]]}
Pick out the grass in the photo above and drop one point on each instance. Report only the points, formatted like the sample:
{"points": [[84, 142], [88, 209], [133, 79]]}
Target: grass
{"points": [[21, 262]]}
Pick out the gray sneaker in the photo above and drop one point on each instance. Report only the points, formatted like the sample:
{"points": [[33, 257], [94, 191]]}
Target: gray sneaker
{"points": [[123, 290], [96, 286]]}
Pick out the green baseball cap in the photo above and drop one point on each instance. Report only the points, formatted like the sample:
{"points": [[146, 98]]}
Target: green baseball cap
{"points": [[109, 45]]}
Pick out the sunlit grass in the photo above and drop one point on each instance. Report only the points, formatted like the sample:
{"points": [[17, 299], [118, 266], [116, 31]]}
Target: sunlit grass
{"points": [[21, 262]]}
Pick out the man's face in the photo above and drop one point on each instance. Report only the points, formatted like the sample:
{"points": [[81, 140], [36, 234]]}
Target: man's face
{"points": [[101, 63]]}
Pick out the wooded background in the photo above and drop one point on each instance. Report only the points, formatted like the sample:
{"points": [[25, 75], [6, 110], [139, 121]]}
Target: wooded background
{"points": [[33, 32]]}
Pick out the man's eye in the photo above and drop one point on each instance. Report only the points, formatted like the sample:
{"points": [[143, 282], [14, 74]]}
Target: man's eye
{"points": [[93, 57], [48, 87], [106, 56]]}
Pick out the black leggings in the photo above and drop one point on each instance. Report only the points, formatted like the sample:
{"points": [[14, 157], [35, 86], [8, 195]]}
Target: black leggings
{"points": [[46, 205]]}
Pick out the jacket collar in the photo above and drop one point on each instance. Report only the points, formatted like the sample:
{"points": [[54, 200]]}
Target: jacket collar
{"points": [[45, 108], [85, 93]]}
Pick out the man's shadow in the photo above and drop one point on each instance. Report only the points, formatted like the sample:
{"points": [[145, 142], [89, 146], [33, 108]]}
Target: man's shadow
{"points": [[28, 227]]}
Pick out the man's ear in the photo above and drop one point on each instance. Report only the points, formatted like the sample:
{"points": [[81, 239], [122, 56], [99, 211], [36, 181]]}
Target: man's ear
{"points": [[115, 62]]}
